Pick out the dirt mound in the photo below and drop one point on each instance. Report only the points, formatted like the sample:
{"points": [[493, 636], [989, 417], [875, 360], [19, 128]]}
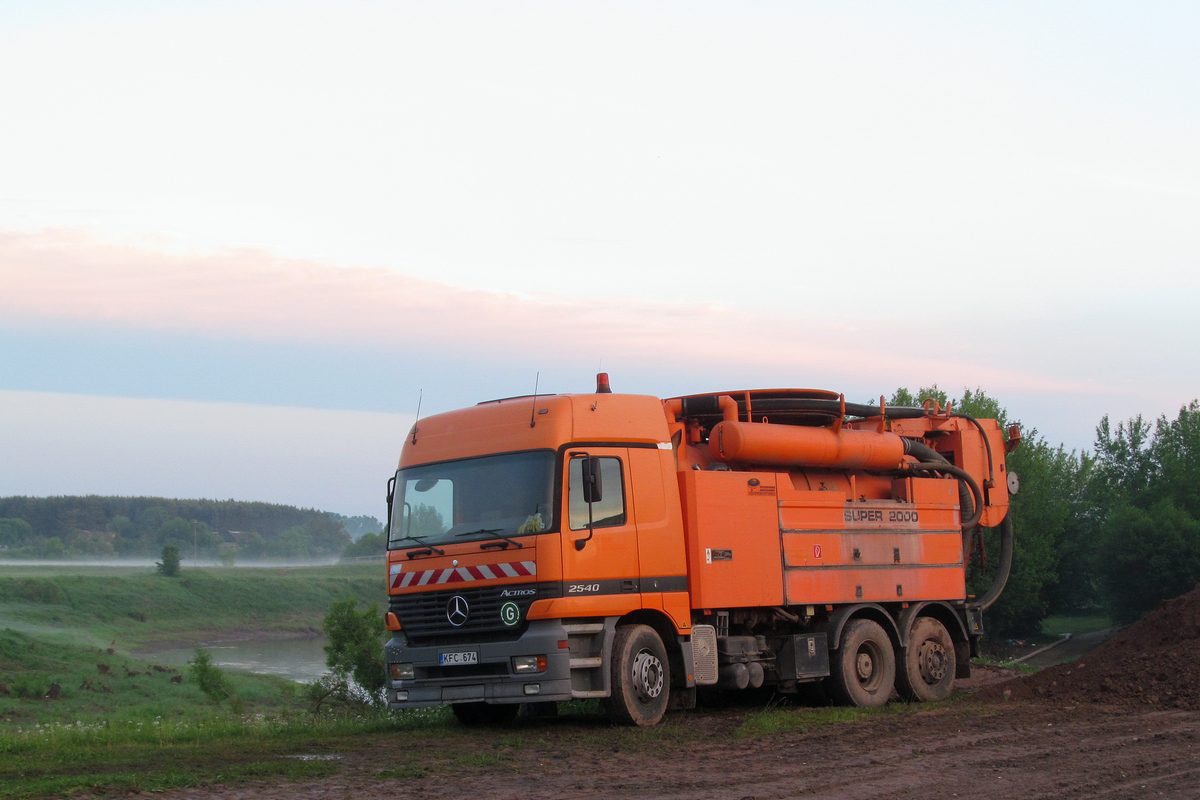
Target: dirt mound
{"points": [[1153, 662]]}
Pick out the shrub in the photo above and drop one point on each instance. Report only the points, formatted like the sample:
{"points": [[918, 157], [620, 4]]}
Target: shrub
{"points": [[355, 650], [209, 677], [169, 565]]}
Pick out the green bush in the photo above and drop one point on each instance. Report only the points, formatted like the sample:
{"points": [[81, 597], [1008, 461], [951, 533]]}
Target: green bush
{"points": [[209, 677], [355, 650], [169, 566]]}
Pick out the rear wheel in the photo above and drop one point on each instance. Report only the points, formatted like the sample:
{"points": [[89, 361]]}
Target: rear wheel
{"points": [[864, 670], [927, 673], [641, 679], [477, 714]]}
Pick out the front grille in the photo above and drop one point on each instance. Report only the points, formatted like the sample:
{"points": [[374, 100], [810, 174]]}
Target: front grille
{"points": [[423, 615]]}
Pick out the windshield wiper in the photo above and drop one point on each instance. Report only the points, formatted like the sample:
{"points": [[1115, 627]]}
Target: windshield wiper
{"points": [[429, 549], [497, 534]]}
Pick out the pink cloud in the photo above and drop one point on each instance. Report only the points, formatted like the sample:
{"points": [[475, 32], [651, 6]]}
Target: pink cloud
{"points": [[65, 275]]}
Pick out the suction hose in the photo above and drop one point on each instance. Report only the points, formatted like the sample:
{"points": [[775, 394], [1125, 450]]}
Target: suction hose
{"points": [[970, 496], [971, 502], [1006, 554]]}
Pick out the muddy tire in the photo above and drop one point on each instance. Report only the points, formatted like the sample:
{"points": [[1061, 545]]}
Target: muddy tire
{"points": [[482, 714], [641, 677], [926, 673], [863, 672]]}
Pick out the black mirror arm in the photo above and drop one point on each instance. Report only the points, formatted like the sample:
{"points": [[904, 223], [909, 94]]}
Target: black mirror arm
{"points": [[581, 543], [391, 493]]}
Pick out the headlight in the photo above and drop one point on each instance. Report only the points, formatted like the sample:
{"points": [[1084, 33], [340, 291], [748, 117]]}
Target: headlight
{"points": [[402, 672], [525, 664]]}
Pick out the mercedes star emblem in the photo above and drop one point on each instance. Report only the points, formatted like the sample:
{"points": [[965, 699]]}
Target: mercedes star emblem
{"points": [[457, 610]]}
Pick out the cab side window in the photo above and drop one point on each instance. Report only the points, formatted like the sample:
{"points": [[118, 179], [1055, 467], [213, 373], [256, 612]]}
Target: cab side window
{"points": [[609, 512]]}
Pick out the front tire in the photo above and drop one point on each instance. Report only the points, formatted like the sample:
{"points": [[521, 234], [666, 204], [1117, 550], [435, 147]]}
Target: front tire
{"points": [[641, 677], [864, 670], [481, 714], [927, 674]]}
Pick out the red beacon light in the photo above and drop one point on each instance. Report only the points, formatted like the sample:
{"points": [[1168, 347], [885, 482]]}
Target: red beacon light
{"points": [[602, 386]]}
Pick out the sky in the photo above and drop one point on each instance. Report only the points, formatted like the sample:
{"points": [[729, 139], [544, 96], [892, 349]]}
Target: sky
{"points": [[238, 241]]}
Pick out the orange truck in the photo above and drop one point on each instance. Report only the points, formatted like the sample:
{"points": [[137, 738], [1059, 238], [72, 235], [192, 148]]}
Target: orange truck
{"points": [[639, 550]]}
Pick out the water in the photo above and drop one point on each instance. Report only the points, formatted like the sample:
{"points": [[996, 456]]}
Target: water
{"points": [[185, 562], [298, 659]]}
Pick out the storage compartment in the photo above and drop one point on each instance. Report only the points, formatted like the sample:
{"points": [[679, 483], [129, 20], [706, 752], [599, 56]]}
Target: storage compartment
{"points": [[803, 656], [731, 522]]}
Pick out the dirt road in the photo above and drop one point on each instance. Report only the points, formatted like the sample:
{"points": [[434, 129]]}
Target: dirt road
{"points": [[965, 749]]}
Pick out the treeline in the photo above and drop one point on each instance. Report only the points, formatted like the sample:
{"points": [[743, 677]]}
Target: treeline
{"points": [[108, 527], [1114, 530]]}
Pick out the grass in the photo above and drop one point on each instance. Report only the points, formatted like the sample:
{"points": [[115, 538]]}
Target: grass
{"points": [[140, 609], [780, 719], [1057, 626], [96, 687], [132, 756]]}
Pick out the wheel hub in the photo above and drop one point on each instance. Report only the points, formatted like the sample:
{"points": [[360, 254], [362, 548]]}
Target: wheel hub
{"points": [[934, 661], [648, 676], [864, 665]]}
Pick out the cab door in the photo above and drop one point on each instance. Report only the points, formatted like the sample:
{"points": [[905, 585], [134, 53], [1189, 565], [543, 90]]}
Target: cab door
{"points": [[604, 567]]}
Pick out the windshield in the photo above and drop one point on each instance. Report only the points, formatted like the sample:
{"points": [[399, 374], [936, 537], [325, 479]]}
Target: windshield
{"points": [[476, 498]]}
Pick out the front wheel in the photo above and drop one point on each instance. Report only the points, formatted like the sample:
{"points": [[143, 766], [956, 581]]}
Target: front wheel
{"points": [[641, 679], [864, 670], [479, 714]]}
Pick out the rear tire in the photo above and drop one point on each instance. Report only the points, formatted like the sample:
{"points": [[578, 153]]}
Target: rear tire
{"points": [[927, 672], [481, 714], [641, 677], [863, 672]]}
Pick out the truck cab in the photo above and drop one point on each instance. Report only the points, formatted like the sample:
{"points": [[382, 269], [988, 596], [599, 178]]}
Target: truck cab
{"points": [[506, 584]]}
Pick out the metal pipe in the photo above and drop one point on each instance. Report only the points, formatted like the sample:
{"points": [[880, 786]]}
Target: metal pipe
{"points": [[794, 445]]}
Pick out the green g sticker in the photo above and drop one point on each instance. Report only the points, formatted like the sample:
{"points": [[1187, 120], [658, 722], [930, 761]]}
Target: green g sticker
{"points": [[510, 614]]}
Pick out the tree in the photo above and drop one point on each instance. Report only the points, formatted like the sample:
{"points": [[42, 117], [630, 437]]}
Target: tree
{"points": [[53, 548], [169, 566], [369, 544], [1146, 506], [15, 532], [359, 525], [355, 648], [1147, 556]]}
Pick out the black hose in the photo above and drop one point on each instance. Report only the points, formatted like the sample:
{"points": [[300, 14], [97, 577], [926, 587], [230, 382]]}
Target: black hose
{"points": [[1002, 573], [986, 443], [966, 501], [963, 475], [835, 406]]}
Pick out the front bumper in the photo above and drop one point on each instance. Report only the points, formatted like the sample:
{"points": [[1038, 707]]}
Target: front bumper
{"points": [[491, 679]]}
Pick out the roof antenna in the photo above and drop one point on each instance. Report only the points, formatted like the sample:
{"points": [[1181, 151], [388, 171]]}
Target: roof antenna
{"points": [[533, 411], [420, 395]]}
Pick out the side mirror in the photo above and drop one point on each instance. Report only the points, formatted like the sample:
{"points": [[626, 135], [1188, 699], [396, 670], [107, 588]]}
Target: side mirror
{"points": [[593, 491], [593, 486], [391, 493]]}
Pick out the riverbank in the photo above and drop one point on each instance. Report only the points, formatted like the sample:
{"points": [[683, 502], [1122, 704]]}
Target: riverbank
{"points": [[82, 648], [137, 610]]}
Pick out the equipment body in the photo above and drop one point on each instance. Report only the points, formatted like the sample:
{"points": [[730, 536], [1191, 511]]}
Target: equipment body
{"points": [[638, 550]]}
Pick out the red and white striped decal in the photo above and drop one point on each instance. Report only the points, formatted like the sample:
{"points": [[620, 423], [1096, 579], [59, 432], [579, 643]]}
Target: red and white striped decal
{"points": [[483, 572]]}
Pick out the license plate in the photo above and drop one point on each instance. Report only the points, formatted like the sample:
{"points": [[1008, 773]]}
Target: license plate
{"points": [[465, 657]]}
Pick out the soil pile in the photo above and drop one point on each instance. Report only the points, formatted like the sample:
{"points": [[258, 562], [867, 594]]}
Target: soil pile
{"points": [[1153, 662]]}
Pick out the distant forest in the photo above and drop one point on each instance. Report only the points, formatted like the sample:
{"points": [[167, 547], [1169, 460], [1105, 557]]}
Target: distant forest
{"points": [[229, 530]]}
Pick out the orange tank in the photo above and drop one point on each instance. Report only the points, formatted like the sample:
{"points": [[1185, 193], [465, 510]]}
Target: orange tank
{"points": [[790, 445]]}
